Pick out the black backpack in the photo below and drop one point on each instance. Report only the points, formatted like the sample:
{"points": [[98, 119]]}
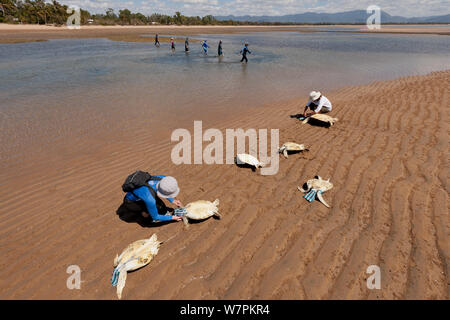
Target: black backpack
{"points": [[139, 179]]}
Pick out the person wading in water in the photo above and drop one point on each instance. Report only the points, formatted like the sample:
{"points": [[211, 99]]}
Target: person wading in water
{"points": [[244, 52], [219, 49], [186, 45], [172, 45]]}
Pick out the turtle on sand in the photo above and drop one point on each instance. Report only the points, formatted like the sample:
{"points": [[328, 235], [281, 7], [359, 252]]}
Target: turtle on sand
{"points": [[321, 117], [315, 187], [292, 147], [199, 210], [243, 158], [135, 256]]}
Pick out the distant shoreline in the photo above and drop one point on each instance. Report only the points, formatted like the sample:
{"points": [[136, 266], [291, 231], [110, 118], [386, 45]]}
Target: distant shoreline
{"points": [[15, 26], [16, 33]]}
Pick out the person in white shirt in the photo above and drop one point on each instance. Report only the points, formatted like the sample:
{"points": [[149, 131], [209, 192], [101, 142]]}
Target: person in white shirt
{"points": [[317, 103]]}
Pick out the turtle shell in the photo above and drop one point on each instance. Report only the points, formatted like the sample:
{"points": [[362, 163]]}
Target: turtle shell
{"points": [[320, 184], [292, 146], [324, 118], [135, 256], [248, 159], [201, 209], [142, 250]]}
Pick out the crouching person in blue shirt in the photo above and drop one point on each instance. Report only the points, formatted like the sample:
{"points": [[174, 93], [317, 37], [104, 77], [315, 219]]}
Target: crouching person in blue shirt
{"points": [[148, 203]]}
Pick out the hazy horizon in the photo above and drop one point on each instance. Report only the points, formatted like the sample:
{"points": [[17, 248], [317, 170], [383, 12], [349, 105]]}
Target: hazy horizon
{"points": [[404, 8]]}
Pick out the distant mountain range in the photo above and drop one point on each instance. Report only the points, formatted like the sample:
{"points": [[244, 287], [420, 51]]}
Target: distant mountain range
{"points": [[357, 16]]}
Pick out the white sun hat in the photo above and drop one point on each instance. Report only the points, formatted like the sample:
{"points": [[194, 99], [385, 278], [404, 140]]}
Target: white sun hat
{"points": [[314, 95], [167, 187]]}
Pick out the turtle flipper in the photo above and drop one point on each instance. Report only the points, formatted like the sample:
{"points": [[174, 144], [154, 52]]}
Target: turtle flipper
{"points": [[116, 261], [186, 222], [121, 283], [285, 153], [218, 215], [319, 196]]}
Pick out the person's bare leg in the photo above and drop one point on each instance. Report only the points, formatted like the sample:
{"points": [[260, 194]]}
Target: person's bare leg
{"points": [[145, 214]]}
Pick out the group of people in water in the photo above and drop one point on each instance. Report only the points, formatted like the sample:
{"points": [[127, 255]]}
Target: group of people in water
{"points": [[205, 46], [144, 200]]}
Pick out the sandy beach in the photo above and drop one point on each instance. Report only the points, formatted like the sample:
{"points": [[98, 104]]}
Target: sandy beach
{"points": [[387, 157], [28, 33]]}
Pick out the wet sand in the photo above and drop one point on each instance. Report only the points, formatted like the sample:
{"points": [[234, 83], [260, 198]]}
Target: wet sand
{"points": [[30, 33], [387, 157]]}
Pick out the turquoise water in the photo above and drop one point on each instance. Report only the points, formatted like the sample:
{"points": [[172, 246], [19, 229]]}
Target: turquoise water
{"points": [[65, 87]]}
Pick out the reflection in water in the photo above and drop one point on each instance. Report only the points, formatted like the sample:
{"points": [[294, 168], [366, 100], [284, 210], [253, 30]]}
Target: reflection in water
{"points": [[244, 71]]}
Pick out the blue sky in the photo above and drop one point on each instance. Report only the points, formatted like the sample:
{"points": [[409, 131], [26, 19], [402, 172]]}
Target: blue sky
{"points": [[406, 8]]}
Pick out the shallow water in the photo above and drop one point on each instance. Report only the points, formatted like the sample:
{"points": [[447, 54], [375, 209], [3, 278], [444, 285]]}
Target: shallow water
{"points": [[281, 64], [417, 27], [60, 88]]}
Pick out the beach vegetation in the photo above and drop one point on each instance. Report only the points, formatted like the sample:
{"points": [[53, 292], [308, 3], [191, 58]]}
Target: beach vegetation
{"points": [[36, 12], [54, 13]]}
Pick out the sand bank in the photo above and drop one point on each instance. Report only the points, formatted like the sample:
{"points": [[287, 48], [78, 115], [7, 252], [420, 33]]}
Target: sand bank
{"points": [[387, 157], [28, 33]]}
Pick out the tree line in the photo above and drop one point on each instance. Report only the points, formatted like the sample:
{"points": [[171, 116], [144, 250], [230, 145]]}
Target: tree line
{"points": [[36, 12], [41, 12]]}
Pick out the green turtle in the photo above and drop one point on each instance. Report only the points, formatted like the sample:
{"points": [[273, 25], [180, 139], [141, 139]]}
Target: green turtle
{"points": [[292, 147], [135, 256], [200, 210], [321, 117], [243, 158], [315, 187]]}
